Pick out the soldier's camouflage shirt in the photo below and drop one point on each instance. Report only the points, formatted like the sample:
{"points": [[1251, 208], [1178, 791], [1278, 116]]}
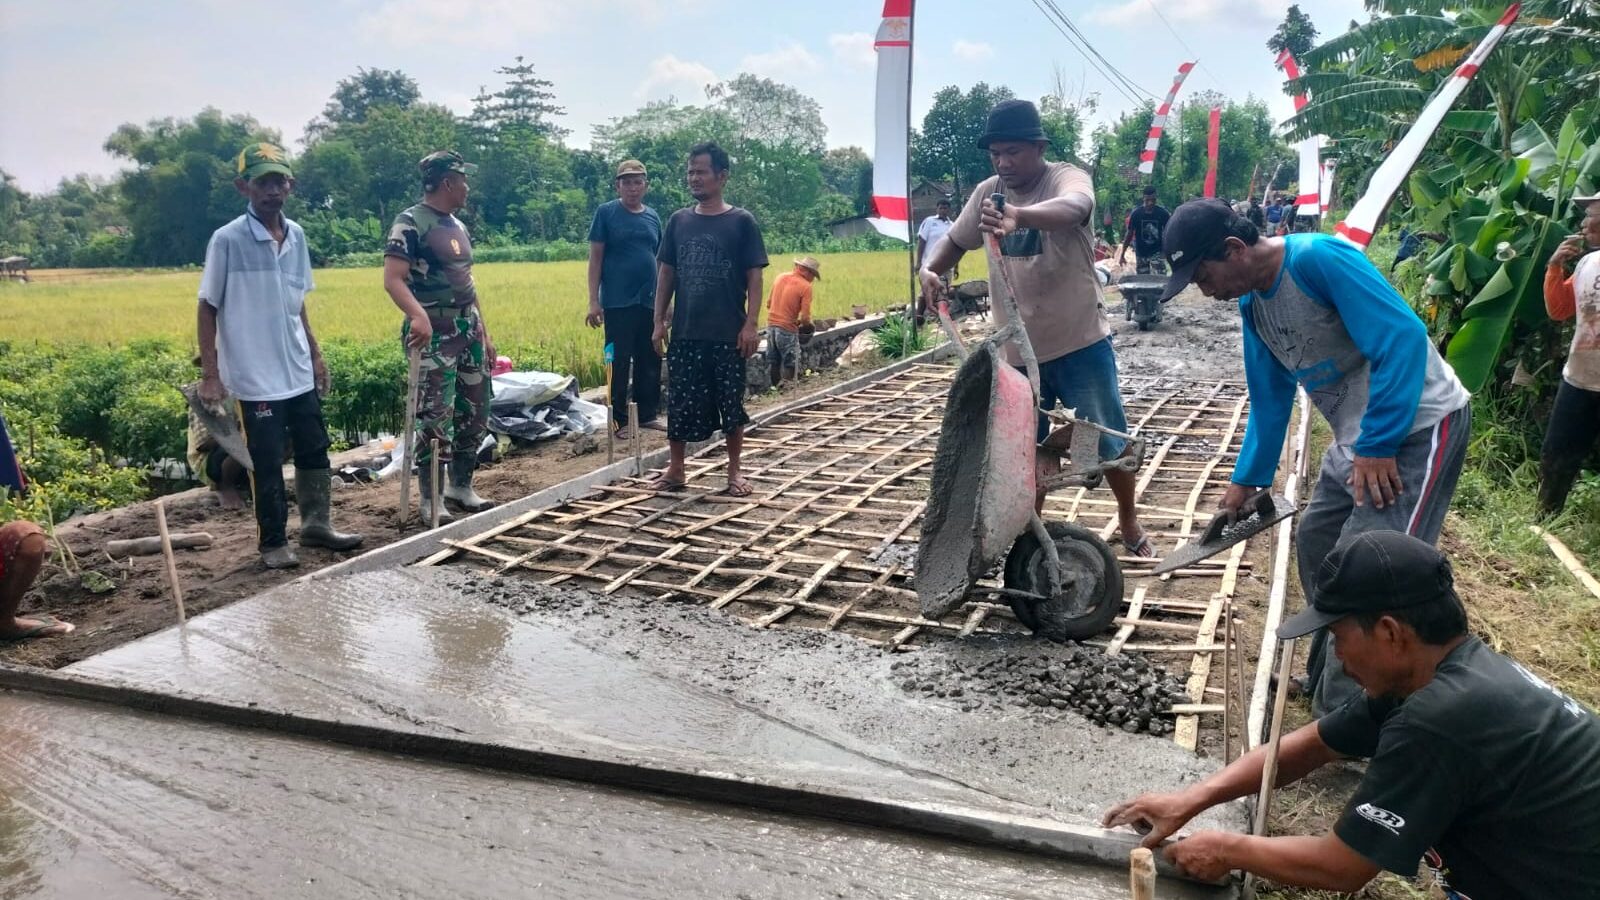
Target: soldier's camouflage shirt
{"points": [[437, 248]]}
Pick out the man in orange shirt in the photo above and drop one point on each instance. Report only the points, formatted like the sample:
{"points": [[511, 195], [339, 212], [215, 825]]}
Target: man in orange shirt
{"points": [[788, 308]]}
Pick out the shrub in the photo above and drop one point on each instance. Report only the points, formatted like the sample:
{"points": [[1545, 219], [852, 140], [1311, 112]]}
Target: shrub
{"points": [[899, 337]]}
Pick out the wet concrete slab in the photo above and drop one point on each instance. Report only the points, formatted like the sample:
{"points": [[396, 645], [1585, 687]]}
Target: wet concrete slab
{"points": [[459, 655], [101, 802]]}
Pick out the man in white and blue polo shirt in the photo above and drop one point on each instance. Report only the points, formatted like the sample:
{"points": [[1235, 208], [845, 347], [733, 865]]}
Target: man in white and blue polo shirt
{"points": [[256, 345]]}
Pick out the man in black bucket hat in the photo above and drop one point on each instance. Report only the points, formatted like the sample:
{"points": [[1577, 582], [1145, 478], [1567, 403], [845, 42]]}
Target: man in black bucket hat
{"points": [[1046, 231], [1477, 767]]}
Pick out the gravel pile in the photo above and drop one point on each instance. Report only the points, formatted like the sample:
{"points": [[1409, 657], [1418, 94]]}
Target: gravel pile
{"points": [[1126, 692]]}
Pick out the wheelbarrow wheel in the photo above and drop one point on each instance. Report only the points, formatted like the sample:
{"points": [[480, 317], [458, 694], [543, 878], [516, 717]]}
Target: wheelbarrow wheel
{"points": [[1091, 583]]}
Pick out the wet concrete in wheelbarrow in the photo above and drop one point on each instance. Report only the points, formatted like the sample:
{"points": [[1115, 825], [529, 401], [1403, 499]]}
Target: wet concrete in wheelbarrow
{"points": [[502, 662]]}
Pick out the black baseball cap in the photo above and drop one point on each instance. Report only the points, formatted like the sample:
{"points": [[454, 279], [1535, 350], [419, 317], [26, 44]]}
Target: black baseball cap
{"points": [[1371, 572], [1195, 231]]}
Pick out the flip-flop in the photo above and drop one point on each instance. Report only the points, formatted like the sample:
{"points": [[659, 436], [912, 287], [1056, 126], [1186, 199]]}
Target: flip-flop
{"points": [[43, 629], [1140, 548], [664, 485], [654, 425], [740, 488], [623, 433]]}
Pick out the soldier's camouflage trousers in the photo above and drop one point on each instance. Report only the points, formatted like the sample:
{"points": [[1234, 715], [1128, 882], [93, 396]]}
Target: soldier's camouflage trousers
{"points": [[453, 391]]}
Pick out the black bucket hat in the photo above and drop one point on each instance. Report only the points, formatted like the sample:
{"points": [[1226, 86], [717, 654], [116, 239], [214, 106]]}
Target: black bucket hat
{"points": [[1013, 120]]}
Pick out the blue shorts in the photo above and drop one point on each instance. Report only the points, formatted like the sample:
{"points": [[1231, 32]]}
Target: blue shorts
{"points": [[1086, 381]]}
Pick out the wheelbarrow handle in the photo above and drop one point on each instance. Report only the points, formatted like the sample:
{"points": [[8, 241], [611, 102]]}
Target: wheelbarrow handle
{"points": [[1008, 298]]}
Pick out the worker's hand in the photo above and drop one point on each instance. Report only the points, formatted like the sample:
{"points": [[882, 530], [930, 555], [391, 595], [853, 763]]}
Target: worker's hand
{"points": [[1204, 855], [1235, 496], [420, 335], [997, 221], [211, 390], [749, 340], [658, 339], [1377, 476], [596, 316], [932, 285], [319, 373], [1156, 816], [1122, 258], [1568, 252]]}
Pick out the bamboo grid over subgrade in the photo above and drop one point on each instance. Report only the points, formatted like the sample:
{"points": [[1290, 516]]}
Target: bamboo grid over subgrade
{"points": [[828, 539]]}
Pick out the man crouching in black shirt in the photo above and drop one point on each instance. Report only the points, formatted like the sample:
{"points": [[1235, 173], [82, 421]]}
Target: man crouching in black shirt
{"points": [[1477, 766]]}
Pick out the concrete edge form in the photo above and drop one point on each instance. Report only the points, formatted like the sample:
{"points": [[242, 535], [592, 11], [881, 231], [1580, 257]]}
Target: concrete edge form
{"points": [[1018, 833], [417, 546]]}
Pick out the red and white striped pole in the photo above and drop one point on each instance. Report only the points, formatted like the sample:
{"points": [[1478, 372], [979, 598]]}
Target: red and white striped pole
{"points": [[1309, 200], [1213, 142], [1358, 226], [1158, 124]]}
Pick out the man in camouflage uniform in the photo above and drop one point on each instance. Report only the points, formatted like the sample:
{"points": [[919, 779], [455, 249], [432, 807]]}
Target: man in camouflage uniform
{"points": [[427, 271]]}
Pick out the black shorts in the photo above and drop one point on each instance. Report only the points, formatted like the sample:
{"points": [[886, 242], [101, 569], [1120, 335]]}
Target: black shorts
{"points": [[705, 384]]}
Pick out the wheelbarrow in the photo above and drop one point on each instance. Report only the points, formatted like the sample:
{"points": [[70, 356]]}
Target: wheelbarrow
{"points": [[1141, 296], [1061, 580]]}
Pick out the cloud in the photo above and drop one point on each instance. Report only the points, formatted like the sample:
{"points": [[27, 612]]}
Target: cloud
{"points": [[972, 51], [667, 72], [779, 64], [854, 49], [497, 23], [1137, 13]]}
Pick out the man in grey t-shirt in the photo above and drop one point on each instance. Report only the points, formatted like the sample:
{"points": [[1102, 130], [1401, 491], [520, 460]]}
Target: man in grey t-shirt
{"points": [[623, 240], [256, 344]]}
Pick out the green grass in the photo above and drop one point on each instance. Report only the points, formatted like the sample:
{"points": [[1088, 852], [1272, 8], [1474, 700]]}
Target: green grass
{"points": [[534, 310]]}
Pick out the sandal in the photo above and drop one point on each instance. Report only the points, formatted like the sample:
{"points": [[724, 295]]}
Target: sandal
{"points": [[740, 488], [622, 433], [49, 626], [662, 484], [1141, 548]]}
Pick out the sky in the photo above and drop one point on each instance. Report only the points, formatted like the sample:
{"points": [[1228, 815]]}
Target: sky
{"points": [[73, 70]]}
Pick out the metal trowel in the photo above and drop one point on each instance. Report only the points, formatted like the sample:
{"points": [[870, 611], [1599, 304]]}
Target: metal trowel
{"points": [[1256, 514], [224, 428]]}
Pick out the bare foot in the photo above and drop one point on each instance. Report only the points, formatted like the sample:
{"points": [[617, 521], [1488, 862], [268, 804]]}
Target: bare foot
{"points": [[228, 498]]}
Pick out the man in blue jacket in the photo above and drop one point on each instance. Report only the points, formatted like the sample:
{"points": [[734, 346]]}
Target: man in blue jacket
{"points": [[1317, 313]]}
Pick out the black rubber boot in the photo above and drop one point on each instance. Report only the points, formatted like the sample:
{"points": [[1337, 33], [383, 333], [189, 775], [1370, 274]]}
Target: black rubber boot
{"points": [[425, 492], [313, 491]]}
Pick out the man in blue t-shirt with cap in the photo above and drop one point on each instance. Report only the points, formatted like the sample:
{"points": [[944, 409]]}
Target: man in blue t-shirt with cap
{"points": [[1477, 768], [1317, 314]]}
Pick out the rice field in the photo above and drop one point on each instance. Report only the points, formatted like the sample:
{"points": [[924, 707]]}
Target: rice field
{"points": [[534, 310]]}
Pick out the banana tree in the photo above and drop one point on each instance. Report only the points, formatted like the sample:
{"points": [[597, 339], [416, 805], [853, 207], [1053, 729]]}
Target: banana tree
{"points": [[1502, 218]]}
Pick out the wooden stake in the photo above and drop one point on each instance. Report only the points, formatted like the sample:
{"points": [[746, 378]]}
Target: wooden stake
{"points": [[408, 437], [433, 484], [166, 552], [1269, 772], [611, 415], [633, 435], [1142, 873], [1568, 559]]}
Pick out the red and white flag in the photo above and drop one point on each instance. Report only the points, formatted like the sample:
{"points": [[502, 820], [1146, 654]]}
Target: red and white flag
{"points": [[1358, 226], [891, 208], [1327, 184], [1213, 141], [1309, 200], [1147, 159]]}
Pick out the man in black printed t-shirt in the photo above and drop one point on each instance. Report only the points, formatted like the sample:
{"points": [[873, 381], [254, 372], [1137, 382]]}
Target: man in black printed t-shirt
{"points": [[1478, 767], [708, 295]]}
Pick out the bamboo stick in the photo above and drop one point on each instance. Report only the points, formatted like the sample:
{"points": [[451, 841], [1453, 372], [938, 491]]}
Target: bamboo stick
{"points": [[1568, 559], [171, 563]]}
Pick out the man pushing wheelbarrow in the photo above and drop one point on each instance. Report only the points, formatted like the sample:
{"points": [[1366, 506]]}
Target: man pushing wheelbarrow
{"points": [[998, 455]]}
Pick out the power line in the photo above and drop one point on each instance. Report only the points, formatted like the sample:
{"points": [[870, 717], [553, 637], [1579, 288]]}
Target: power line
{"points": [[1117, 81], [1188, 49], [1090, 45]]}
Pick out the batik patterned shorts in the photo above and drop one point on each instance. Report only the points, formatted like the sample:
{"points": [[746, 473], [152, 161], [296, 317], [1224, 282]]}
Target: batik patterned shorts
{"points": [[705, 384]]}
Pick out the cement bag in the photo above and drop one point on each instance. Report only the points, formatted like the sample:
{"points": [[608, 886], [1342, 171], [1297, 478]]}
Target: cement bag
{"points": [[530, 388]]}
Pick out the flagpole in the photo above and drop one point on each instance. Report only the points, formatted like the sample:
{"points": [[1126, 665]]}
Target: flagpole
{"points": [[911, 214]]}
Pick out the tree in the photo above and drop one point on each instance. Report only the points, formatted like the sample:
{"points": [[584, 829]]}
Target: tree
{"points": [[764, 110], [527, 101], [181, 189], [847, 171], [1295, 34], [354, 96], [947, 144]]}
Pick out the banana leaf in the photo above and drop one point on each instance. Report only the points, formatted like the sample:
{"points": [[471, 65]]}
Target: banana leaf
{"points": [[1515, 291]]}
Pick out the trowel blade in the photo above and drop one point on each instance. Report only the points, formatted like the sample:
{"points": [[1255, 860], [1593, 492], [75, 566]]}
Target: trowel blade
{"points": [[223, 427], [1219, 534]]}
